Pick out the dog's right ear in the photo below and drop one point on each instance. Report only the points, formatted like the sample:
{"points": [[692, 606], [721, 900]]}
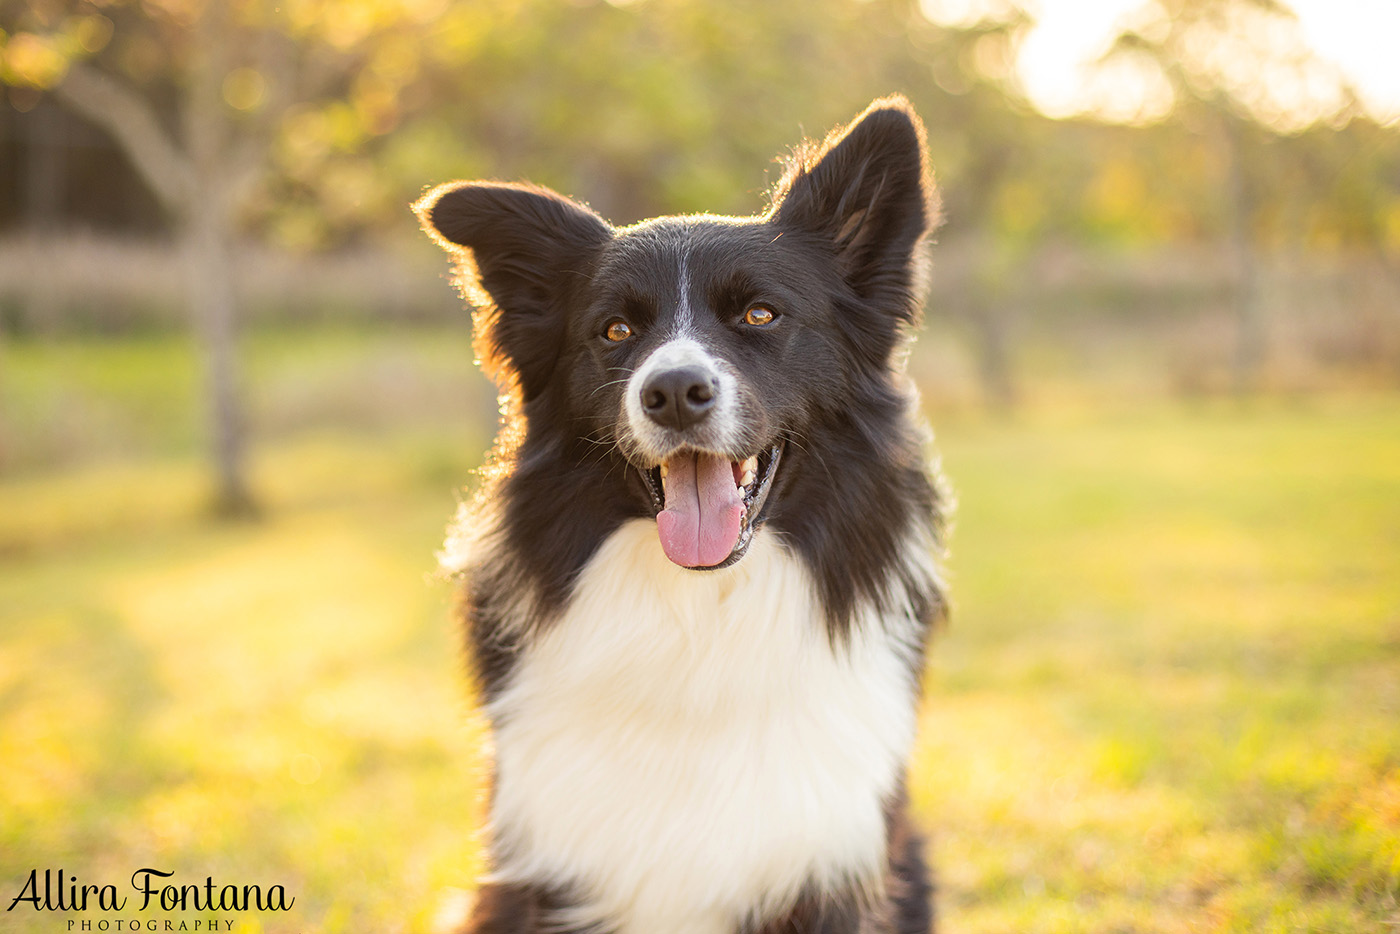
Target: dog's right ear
{"points": [[867, 195], [523, 249]]}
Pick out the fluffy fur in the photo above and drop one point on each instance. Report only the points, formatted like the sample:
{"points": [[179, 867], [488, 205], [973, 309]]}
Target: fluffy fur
{"points": [[700, 570]]}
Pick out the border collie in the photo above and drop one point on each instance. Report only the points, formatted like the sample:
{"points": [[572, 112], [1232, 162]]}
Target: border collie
{"points": [[700, 572]]}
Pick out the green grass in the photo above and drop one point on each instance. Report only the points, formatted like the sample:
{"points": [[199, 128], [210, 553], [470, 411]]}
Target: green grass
{"points": [[1169, 698], [67, 401], [275, 702]]}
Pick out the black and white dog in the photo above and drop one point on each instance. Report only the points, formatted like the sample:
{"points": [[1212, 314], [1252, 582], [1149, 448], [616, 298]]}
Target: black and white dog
{"points": [[700, 573]]}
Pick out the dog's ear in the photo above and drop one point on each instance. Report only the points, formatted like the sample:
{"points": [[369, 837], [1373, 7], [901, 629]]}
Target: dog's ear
{"points": [[523, 251], [866, 191]]}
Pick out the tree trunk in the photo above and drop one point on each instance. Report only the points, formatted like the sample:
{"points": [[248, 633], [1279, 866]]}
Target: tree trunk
{"points": [[1250, 334], [996, 263], [208, 246], [994, 351], [207, 228], [199, 184]]}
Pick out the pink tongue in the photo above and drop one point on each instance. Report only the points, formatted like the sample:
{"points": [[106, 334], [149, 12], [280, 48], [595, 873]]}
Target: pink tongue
{"points": [[700, 525]]}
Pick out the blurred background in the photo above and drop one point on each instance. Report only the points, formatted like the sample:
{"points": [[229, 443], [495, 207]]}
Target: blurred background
{"points": [[1162, 358]]}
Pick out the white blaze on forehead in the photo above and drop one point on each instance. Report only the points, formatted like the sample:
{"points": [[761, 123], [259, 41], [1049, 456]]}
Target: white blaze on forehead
{"points": [[685, 315]]}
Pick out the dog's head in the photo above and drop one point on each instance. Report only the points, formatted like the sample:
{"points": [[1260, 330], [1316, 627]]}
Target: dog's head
{"points": [[707, 353]]}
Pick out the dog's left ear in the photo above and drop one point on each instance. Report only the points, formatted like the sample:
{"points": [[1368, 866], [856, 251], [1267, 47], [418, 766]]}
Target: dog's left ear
{"points": [[866, 191], [522, 249]]}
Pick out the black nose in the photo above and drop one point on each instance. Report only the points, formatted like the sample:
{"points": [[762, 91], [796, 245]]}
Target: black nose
{"points": [[679, 397]]}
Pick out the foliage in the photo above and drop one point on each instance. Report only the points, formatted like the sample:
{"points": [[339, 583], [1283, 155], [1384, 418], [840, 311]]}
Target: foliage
{"points": [[1288, 137], [677, 105]]}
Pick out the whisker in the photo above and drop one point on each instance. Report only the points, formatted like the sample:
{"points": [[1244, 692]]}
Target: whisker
{"points": [[607, 384]]}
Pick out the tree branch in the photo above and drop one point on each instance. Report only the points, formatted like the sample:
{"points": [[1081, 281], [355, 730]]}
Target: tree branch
{"points": [[132, 122]]}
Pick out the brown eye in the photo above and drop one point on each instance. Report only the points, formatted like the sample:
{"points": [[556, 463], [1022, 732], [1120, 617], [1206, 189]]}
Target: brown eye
{"points": [[758, 316], [618, 331]]}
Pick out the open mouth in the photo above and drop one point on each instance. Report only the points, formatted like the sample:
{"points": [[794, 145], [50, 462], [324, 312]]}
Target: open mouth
{"points": [[708, 507]]}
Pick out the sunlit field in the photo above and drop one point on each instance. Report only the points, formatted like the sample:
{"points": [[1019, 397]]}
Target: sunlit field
{"points": [[1168, 698]]}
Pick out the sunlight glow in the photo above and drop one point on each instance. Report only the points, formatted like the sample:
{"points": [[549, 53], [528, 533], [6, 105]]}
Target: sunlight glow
{"points": [[1055, 61], [1359, 35]]}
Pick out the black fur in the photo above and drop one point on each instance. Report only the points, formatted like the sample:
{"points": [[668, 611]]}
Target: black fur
{"points": [[505, 908], [838, 252], [838, 258]]}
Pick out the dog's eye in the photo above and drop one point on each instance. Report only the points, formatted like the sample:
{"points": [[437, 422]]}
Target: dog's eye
{"points": [[617, 331], [759, 316]]}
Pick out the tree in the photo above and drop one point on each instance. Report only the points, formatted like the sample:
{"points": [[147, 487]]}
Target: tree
{"points": [[1239, 72], [997, 136], [196, 92]]}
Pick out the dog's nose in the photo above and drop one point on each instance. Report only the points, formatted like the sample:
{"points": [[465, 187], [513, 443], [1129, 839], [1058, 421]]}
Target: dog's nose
{"points": [[679, 397]]}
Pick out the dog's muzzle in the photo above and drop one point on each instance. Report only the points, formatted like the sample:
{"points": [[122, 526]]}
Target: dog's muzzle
{"points": [[707, 478]]}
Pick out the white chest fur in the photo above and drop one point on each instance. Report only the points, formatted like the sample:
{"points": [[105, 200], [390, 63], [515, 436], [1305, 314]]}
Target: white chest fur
{"points": [[682, 748]]}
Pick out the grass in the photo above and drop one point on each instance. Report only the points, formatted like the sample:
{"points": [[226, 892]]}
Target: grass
{"points": [[68, 401], [1169, 699]]}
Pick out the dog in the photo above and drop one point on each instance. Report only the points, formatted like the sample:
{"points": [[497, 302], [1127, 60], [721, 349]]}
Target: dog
{"points": [[702, 566]]}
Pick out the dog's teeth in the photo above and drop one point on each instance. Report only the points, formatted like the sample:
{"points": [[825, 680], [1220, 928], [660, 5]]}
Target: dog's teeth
{"points": [[750, 468], [664, 471]]}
